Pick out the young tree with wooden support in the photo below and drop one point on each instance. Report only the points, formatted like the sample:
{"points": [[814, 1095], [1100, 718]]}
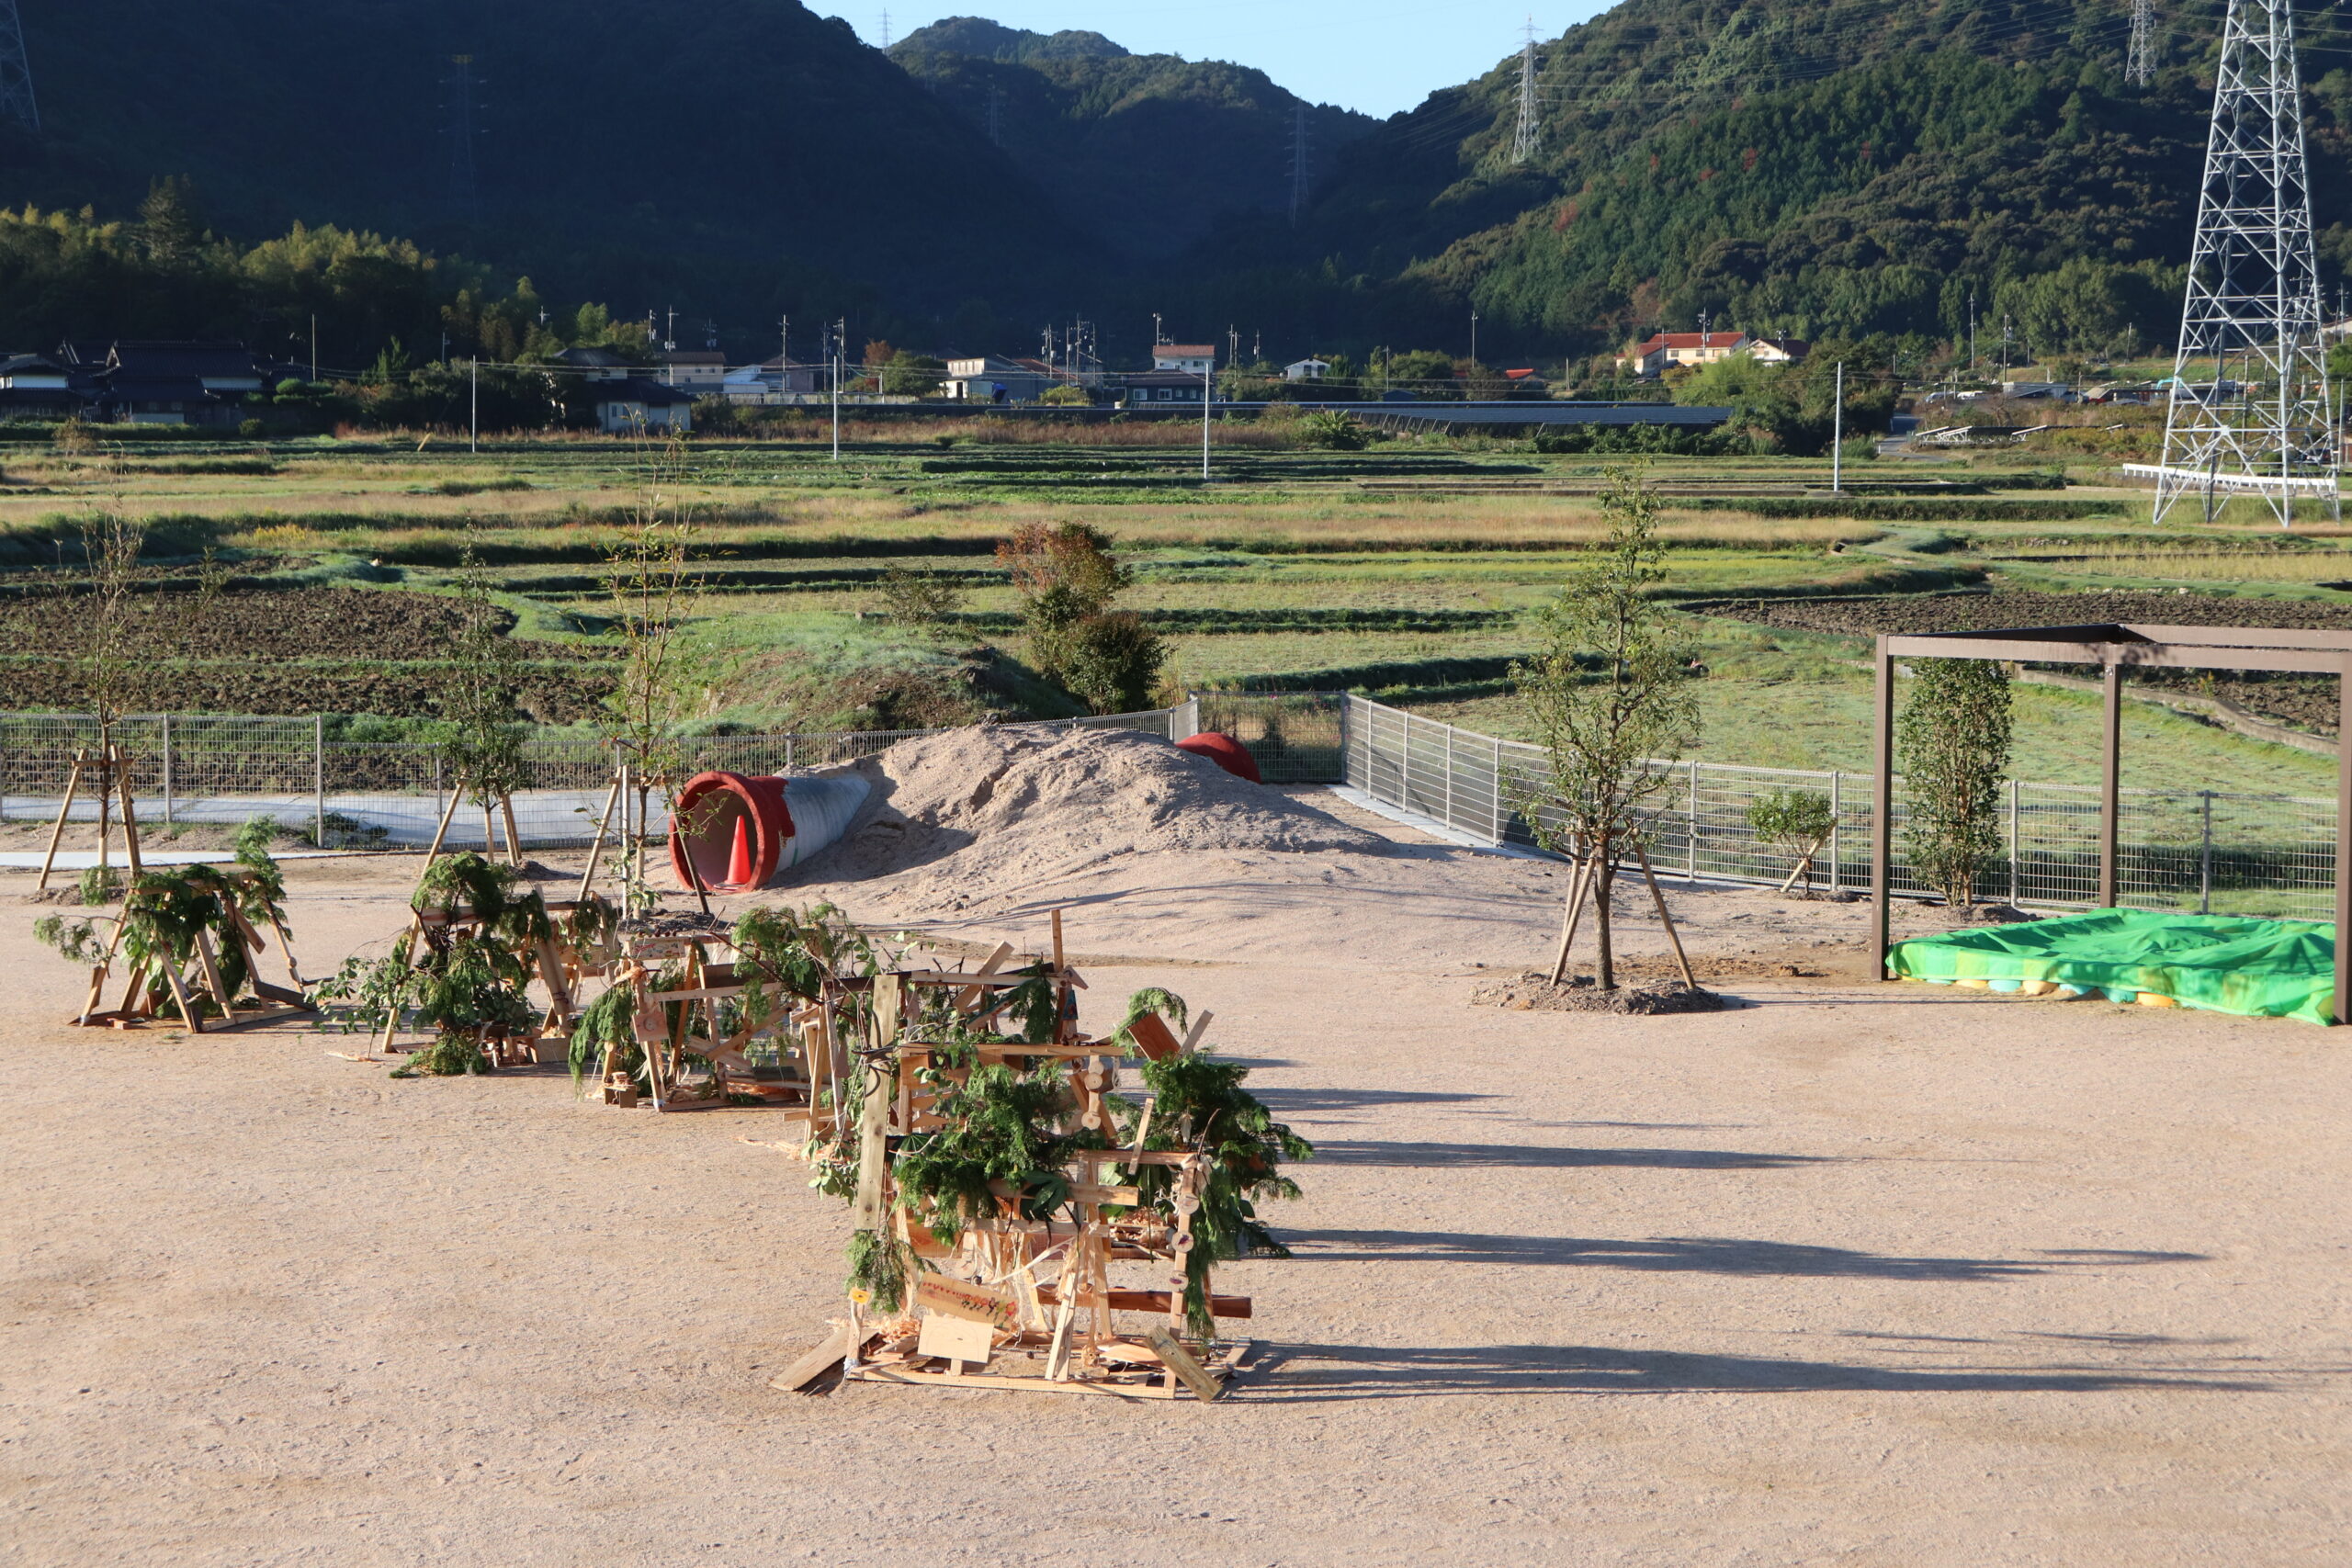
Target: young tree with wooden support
{"points": [[113, 637], [1610, 697]]}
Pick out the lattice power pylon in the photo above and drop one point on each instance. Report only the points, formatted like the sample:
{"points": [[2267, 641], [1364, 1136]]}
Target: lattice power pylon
{"points": [[465, 193], [2249, 412], [16, 72], [2140, 59], [1527, 140]]}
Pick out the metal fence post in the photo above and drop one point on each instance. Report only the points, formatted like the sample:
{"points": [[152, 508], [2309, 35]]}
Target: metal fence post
{"points": [[1690, 847], [319, 779], [1837, 820], [2016, 884], [167, 770], [1499, 818], [2205, 856], [789, 750], [1404, 768], [1448, 818]]}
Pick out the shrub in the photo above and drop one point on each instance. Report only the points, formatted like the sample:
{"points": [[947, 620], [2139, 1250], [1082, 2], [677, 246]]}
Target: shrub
{"points": [[918, 598], [1954, 735], [1114, 662], [1336, 429], [1794, 821]]}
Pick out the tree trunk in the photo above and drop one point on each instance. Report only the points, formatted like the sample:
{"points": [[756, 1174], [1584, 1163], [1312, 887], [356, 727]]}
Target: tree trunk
{"points": [[1608, 969]]}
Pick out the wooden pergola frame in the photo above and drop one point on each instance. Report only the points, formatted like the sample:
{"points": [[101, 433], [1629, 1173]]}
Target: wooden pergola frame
{"points": [[2115, 647]]}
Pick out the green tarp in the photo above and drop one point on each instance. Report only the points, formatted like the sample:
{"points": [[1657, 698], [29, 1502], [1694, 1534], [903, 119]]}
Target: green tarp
{"points": [[2256, 968]]}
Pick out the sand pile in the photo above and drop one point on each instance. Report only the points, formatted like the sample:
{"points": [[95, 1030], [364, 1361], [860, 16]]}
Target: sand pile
{"points": [[987, 811]]}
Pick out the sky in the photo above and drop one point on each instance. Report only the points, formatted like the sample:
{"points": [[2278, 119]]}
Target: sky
{"points": [[1378, 56]]}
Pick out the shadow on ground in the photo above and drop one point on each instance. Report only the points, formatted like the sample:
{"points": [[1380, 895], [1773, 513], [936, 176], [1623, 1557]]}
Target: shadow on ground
{"points": [[1695, 1255]]}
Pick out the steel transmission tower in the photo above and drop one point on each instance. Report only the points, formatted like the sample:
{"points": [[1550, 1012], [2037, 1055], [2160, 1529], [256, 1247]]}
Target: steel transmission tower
{"points": [[16, 72], [1527, 138], [1298, 167], [2140, 62], [465, 195], [2256, 420]]}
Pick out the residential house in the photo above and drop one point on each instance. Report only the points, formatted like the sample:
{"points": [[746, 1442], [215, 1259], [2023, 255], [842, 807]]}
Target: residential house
{"points": [[773, 380], [35, 387], [993, 378], [1143, 387], [1307, 369], [631, 405], [696, 371], [1663, 351], [598, 363], [1192, 358]]}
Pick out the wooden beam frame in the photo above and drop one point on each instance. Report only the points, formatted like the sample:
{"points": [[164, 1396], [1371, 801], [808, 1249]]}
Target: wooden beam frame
{"points": [[2116, 646]]}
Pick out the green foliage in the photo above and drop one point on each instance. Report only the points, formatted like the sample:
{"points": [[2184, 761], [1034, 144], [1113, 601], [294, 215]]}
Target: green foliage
{"points": [[917, 599], [464, 985], [1953, 738], [1793, 820], [1336, 429], [1114, 662], [99, 884], [76, 941], [880, 1265], [609, 1020], [481, 741], [1198, 1101], [1607, 694], [449, 1056], [998, 1125]]}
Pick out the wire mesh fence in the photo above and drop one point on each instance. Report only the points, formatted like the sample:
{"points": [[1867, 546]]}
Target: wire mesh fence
{"points": [[227, 771], [2202, 851]]}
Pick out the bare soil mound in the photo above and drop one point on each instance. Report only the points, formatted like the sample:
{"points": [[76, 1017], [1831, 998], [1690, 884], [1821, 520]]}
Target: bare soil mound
{"points": [[1533, 992], [988, 810]]}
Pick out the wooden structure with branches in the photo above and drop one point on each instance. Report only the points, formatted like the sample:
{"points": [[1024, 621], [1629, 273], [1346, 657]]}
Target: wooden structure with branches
{"points": [[2115, 647]]}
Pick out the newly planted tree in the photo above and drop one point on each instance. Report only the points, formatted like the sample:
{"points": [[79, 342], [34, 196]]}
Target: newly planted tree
{"points": [[1068, 580], [1608, 695], [1954, 737], [481, 740], [1797, 822]]}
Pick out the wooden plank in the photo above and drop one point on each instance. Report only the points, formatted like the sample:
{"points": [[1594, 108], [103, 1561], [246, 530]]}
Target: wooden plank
{"points": [[64, 810], [1159, 1301], [1011, 1384], [1129, 1157], [956, 1339], [828, 1355], [1154, 1038], [1180, 1361], [968, 998], [1080, 1192], [212, 980], [1200, 1027], [990, 1305]]}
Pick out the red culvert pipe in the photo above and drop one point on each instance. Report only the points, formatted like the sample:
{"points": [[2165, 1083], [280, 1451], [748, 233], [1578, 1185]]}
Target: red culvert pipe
{"points": [[1224, 751], [729, 831]]}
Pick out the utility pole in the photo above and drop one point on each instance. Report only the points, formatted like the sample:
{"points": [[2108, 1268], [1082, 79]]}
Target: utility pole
{"points": [[1527, 140], [314, 347], [16, 72], [841, 343], [2140, 59], [1474, 335], [473, 414], [1157, 336], [1232, 344], [1298, 170], [1971, 331], [1838, 435], [783, 357], [464, 195], [2251, 307], [1208, 396]]}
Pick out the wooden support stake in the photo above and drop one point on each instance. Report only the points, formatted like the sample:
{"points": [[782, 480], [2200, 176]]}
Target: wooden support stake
{"points": [[1568, 917], [513, 839], [65, 808], [121, 775], [211, 964], [189, 1014], [1658, 898], [1805, 863], [1180, 1361], [603, 826], [816, 1363]]}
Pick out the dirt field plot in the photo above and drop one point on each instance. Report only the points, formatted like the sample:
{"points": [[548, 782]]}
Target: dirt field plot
{"points": [[1853, 1274]]}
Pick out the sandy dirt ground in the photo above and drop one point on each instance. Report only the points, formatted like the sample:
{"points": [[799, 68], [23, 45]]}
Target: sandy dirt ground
{"points": [[1850, 1274]]}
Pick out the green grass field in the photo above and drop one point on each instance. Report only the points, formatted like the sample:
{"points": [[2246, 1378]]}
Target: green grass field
{"points": [[1404, 571]]}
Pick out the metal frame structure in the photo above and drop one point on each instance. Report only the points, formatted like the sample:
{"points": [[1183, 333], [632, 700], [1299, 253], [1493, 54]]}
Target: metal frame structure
{"points": [[2262, 424], [16, 71], [2115, 647]]}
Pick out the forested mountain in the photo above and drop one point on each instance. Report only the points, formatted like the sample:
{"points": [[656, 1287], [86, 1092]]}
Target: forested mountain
{"points": [[1830, 168], [1145, 152], [735, 159], [1813, 169]]}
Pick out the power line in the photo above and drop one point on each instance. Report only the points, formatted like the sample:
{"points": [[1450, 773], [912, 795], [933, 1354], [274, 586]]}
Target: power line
{"points": [[464, 196], [1298, 170]]}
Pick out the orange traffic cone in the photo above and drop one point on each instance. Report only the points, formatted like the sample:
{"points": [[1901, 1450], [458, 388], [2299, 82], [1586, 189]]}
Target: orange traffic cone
{"points": [[739, 862]]}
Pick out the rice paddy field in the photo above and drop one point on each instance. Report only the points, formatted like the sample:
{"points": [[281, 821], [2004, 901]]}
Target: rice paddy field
{"points": [[1406, 572]]}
